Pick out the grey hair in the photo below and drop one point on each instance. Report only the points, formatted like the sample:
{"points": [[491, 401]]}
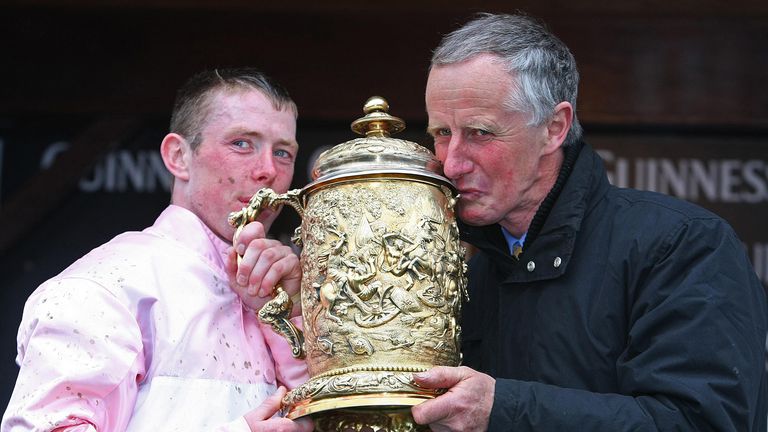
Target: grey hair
{"points": [[193, 99], [542, 69]]}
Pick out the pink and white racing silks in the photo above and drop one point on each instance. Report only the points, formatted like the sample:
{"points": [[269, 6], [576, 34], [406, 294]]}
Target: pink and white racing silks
{"points": [[144, 334]]}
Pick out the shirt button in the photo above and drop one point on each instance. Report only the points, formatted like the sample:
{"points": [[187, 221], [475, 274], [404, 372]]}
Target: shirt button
{"points": [[531, 266], [557, 262]]}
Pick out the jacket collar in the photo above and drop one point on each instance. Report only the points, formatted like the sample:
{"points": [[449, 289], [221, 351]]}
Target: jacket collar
{"points": [[552, 235], [182, 226]]}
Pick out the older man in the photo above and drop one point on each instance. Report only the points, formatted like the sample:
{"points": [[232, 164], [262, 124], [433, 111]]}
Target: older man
{"points": [[592, 308]]}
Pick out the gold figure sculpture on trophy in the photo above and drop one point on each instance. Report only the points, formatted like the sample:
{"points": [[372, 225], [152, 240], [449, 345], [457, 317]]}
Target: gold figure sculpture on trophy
{"points": [[383, 278]]}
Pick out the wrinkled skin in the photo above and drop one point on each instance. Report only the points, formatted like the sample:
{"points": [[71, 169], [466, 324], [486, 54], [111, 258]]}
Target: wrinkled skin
{"points": [[466, 406]]}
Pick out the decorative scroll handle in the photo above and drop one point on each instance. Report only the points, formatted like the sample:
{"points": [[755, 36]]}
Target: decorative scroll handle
{"points": [[275, 312]]}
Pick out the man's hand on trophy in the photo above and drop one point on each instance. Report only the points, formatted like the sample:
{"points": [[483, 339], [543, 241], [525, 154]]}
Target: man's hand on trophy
{"points": [[259, 420], [264, 264], [465, 406]]}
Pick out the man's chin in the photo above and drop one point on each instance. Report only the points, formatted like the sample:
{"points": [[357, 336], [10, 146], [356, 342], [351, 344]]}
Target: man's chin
{"points": [[228, 235], [474, 218]]}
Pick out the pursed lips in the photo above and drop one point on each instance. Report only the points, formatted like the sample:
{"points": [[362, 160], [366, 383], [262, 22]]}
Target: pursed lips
{"points": [[468, 192], [243, 201]]}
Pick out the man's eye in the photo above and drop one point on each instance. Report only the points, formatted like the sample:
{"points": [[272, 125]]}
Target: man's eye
{"points": [[283, 154], [443, 132], [242, 144], [480, 132]]}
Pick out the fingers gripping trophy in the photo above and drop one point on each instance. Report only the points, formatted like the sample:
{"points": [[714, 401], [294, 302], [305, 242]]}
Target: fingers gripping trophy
{"points": [[383, 278]]}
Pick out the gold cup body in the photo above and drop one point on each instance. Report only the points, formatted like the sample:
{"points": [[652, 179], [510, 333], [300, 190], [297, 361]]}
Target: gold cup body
{"points": [[381, 290]]}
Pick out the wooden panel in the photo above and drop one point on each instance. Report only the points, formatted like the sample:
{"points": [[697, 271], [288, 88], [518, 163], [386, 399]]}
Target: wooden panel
{"points": [[673, 71], [639, 66], [568, 8]]}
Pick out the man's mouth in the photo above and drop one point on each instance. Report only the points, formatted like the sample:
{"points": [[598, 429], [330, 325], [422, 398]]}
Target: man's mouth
{"points": [[468, 193]]}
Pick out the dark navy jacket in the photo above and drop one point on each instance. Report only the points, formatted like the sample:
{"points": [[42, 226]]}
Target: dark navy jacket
{"points": [[627, 311]]}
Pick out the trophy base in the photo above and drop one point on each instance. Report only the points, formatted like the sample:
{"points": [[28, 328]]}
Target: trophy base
{"points": [[363, 413]]}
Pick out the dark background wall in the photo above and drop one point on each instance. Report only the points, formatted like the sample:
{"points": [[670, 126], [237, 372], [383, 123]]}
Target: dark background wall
{"points": [[673, 93]]}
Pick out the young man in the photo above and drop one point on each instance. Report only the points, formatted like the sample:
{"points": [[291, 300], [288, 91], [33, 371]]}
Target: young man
{"points": [[623, 310], [155, 330]]}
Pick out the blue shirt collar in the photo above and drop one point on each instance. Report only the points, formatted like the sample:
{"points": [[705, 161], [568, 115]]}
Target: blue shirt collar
{"points": [[512, 240]]}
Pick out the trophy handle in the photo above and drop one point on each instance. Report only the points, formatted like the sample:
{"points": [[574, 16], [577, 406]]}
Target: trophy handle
{"points": [[275, 312], [262, 199]]}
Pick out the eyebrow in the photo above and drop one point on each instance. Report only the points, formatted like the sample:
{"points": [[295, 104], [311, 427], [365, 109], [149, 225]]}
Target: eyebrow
{"points": [[432, 129], [253, 133], [293, 143], [474, 125]]}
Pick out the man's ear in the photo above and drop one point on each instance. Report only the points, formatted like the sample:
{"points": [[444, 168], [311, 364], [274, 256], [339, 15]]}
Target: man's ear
{"points": [[558, 126], [175, 150]]}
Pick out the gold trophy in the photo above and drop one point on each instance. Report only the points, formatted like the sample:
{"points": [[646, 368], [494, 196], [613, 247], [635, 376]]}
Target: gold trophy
{"points": [[383, 278]]}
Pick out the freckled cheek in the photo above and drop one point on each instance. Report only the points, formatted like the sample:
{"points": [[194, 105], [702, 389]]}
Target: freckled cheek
{"points": [[216, 190]]}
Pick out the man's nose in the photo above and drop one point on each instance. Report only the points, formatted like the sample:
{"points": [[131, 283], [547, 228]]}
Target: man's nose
{"points": [[456, 163], [265, 169]]}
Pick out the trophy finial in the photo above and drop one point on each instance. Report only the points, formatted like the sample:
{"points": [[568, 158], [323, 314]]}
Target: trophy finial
{"points": [[377, 122], [375, 103]]}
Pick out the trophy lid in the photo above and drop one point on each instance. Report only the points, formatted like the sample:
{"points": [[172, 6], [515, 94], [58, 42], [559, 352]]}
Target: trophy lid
{"points": [[377, 154]]}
